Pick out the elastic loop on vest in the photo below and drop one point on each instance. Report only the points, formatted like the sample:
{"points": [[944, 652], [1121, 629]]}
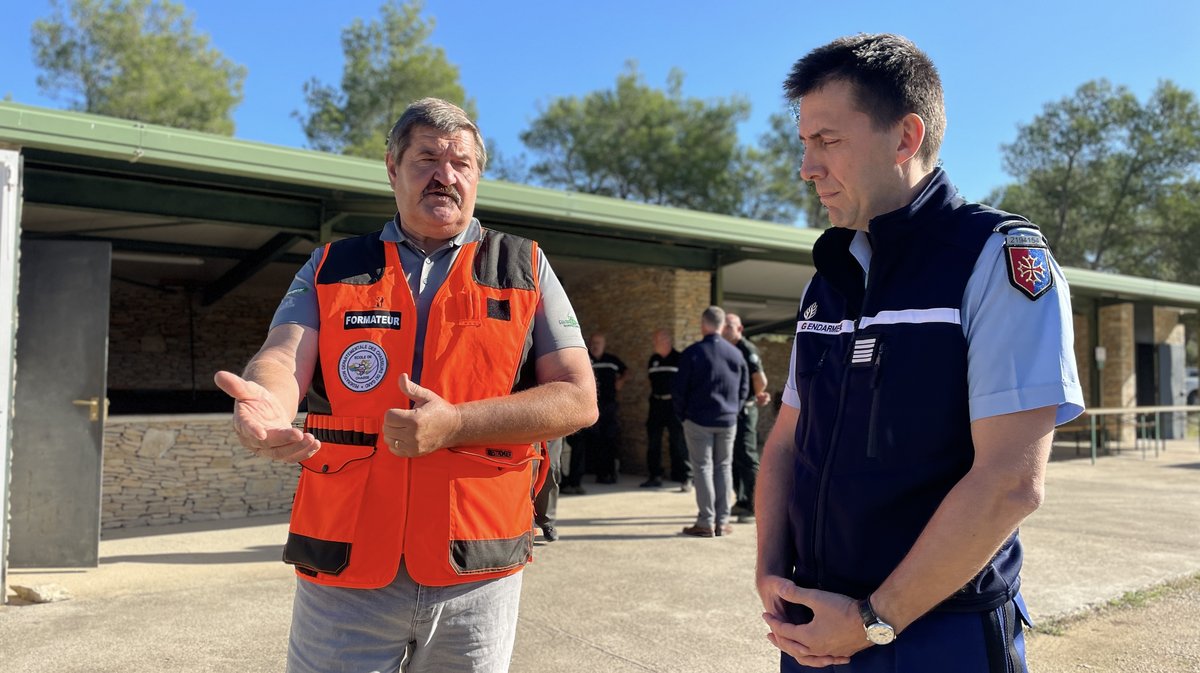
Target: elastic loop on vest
{"points": [[349, 430]]}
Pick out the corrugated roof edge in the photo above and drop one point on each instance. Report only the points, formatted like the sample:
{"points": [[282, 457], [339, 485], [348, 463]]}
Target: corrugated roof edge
{"points": [[1090, 283], [122, 139]]}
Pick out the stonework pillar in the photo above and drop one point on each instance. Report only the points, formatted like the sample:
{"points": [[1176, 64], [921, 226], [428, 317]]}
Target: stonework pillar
{"points": [[628, 303], [1167, 326], [1083, 356], [1118, 382]]}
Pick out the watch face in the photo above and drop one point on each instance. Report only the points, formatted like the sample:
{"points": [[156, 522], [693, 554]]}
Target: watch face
{"points": [[880, 634]]}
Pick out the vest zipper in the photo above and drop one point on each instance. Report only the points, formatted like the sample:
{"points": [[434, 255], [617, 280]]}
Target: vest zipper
{"points": [[872, 438], [826, 467]]}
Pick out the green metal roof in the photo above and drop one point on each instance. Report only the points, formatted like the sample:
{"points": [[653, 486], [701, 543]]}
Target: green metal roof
{"points": [[360, 185], [124, 140]]}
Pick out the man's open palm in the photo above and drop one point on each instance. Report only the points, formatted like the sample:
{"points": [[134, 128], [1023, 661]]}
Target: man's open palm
{"points": [[262, 423]]}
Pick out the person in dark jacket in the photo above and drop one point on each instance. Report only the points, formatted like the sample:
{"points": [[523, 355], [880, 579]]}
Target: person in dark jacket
{"points": [[933, 358], [708, 393]]}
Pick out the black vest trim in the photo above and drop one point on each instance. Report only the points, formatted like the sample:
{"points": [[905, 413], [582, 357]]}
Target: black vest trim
{"points": [[355, 261], [482, 556], [505, 262], [311, 556]]}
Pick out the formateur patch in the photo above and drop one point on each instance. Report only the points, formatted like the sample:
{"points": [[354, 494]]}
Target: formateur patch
{"points": [[1029, 269], [362, 366], [371, 319]]}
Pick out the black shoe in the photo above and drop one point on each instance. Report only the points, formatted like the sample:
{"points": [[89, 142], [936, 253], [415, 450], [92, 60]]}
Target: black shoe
{"points": [[606, 480], [740, 508], [549, 533], [571, 490], [652, 482]]}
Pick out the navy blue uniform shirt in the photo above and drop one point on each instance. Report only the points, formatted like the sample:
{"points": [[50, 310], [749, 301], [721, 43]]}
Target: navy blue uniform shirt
{"points": [[711, 383]]}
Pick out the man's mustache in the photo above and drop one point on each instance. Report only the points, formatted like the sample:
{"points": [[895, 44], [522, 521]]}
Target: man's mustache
{"points": [[438, 189]]}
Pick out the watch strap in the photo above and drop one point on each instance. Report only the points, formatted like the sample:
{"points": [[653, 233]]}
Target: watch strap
{"points": [[867, 612]]}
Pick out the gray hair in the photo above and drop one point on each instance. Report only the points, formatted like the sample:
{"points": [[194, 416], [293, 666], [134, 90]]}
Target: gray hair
{"points": [[713, 316], [439, 114]]}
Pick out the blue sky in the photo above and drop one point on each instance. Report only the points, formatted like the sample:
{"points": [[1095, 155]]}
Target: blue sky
{"points": [[1000, 62]]}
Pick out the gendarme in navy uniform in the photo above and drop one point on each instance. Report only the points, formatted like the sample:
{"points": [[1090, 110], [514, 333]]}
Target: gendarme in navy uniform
{"points": [[933, 358], [880, 375]]}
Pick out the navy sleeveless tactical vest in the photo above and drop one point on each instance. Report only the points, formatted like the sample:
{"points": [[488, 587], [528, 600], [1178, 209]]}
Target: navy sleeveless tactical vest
{"points": [[884, 430]]}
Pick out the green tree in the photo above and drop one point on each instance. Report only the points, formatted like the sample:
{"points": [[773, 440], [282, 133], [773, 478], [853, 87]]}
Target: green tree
{"points": [[643, 144], [388, 65], [137, 59], [1107, 176], [773, 190]]}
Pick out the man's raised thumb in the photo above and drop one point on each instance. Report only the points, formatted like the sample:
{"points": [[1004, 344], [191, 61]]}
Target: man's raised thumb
{"points": [[234, 385], [414, 392]]}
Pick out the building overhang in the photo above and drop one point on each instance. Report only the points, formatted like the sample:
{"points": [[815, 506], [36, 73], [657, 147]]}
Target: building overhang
{"points": [[156, 190]]}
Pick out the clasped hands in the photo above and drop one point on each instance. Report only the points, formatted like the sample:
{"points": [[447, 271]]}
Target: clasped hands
{"points": [[263, 424], [834, 634]]}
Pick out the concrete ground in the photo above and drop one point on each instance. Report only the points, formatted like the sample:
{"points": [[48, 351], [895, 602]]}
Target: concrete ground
{"points": [[621, 591]]}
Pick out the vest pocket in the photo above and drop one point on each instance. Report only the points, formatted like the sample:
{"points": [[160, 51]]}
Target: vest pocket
{"points": [[325, 511], [806, 388], [491, 510]]}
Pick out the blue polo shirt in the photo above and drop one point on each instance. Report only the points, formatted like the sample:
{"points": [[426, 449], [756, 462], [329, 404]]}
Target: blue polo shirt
{"points": [[554, 323]]}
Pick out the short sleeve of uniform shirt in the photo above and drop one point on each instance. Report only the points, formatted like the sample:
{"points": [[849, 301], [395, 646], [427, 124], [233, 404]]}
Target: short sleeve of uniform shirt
{"points": [[1020, 352], [554, 324], [750, 353]]}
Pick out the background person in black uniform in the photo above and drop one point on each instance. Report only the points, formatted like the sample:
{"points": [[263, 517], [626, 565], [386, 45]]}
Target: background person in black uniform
{"points": [[663, 365], [599, 442], [745, 445]]}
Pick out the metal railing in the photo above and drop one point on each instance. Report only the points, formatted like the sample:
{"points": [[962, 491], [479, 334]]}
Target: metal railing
{"points": [[1147, 425]]}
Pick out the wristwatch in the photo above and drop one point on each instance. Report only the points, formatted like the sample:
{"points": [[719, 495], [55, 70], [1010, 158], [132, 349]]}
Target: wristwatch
{"points": [[878, 631]]}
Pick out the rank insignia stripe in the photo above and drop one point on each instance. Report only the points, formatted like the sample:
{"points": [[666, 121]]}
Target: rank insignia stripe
{"points": [[1029, 270]]}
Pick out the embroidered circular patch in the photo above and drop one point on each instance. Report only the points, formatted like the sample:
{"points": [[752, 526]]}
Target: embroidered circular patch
{"points": [[362, 366]]}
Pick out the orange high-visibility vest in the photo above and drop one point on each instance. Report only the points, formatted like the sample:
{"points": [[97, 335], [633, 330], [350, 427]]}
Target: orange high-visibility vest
{"points": [[459, 514]]}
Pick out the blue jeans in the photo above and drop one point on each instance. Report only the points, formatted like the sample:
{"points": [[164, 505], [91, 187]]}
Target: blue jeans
{"points": [[405, 626], [962, 642], [710, 450]]}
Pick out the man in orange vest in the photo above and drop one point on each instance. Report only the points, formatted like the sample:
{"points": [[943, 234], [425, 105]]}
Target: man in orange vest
{"points": [[437, 355]]}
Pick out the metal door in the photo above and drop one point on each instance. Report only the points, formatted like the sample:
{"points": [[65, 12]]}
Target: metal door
{"points": [[10, 227], [60, 406]]}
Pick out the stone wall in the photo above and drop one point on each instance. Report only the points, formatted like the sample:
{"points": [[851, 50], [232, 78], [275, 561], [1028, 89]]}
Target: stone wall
{"points": [[165, 340], [628, 303], [171, 469]]}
